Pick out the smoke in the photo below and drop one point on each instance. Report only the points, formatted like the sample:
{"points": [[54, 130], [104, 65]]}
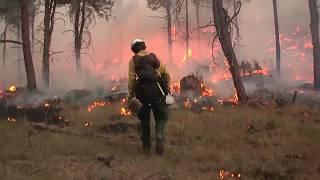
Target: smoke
{"points": [[107, 58]]}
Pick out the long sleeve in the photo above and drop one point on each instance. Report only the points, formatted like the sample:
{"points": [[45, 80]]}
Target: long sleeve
{"points": [[131, 79], [162, 71]]}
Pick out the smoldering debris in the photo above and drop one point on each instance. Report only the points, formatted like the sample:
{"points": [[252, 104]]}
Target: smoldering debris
{"points": [[17, 103]]}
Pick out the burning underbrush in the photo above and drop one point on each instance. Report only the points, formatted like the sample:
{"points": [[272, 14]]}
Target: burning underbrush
{"points": [[191, 93], [16, 103]]}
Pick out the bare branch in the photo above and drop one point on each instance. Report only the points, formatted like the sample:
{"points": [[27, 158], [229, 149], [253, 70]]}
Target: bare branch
{"points": [[11, 41]]}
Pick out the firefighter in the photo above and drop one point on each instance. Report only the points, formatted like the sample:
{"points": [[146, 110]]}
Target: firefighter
{"points": [[149, 83]]}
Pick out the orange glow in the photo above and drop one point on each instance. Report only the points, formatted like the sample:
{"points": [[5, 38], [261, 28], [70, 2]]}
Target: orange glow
{"points": [[125, 112], [88, 124], [207, 92], [175, 88], [188, 103], [224, 174], [96, 104], [308, 45], [262, 72], [13, 120], [187, 56], [13, 88]]}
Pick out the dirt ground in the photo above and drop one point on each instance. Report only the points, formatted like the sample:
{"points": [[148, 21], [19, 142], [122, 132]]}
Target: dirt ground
{"points": [[229, 143]]}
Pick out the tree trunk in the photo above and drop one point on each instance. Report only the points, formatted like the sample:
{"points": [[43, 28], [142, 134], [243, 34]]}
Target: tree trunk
{"points": [[19, 55], [78, 29], [169, 29], [50, 7], [236, 19], [222, 27], [314, 26], [33, 18], [198, 26], [31, 77], [4, 48], [187, 31], [277, 36]]}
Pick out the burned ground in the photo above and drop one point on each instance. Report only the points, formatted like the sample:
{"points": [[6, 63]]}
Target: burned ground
{"points": [[244, 141]]}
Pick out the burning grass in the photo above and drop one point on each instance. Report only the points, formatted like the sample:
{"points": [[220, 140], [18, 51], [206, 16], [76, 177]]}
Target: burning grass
{"points": [[229, 143]]}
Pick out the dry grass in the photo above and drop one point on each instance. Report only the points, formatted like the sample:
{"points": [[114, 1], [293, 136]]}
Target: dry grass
{"points": [[257, 143]]}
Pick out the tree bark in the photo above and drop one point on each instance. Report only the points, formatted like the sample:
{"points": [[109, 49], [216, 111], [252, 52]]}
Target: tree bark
{"points": [[169, 29], [314, 26], [277, 36], [78, 29], [31, 77], [198, 25], [222, 27], [187, 31], [33, 19], [50, 8], [4, 48], [236, 19], [19, 53]]}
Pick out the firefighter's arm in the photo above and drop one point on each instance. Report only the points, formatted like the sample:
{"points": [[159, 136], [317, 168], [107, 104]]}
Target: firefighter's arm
{"points": [[131, 79], [164, 72]]}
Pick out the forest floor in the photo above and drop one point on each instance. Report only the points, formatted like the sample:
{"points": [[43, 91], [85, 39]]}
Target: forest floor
{"points": [[243, 142]]}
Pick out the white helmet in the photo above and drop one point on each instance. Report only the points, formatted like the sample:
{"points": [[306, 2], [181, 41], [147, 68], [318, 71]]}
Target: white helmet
{"points": [[135, 41]]}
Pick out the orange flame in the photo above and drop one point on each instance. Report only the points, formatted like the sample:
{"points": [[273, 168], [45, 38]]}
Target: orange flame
{"points": [[125, 112], [96, 104], [13, 88]]}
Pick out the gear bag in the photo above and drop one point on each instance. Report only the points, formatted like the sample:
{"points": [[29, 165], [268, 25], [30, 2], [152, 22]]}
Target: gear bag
{"points": [[146, 88]]}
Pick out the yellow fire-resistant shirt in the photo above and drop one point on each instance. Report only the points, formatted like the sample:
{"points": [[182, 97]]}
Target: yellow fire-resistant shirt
{"points": [[132, 76]]}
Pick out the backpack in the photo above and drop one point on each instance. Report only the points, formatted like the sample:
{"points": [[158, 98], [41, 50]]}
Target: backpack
{"points": [[146, 87]]}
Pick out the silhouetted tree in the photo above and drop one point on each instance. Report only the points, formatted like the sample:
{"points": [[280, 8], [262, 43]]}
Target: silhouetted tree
{"points": [[314, 26], [31, 77], [223, 22], [84, 13], [49, 20], [277, 36], [167, 5]]}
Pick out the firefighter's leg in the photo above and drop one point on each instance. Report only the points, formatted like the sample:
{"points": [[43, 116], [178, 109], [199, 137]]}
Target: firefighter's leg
{"points": [[144, 116], [161, 115]]}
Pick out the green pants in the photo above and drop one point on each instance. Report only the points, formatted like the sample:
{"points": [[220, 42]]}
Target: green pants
{"points": [[161, 115]]}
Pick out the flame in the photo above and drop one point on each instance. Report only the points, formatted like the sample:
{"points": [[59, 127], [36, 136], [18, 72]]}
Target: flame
{"points": [[208, 108], [88, 123], [13, 88], [308, 45], [207, 92], [114, 88], [188, 103], [125, 112], [175, 87], [96, 104], [124, 100], [187, 56], [262, 72], [224, 174], [13, 120]]}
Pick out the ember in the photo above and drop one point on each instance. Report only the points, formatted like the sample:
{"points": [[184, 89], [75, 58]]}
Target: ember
{"points": [[88, 124], [175, 88], [12, 88], [262, 72], [207, 92], [124, 100], [125, 112], [96, 104], [208, 108], [224, 174], [188, 103], [13, 120]]}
